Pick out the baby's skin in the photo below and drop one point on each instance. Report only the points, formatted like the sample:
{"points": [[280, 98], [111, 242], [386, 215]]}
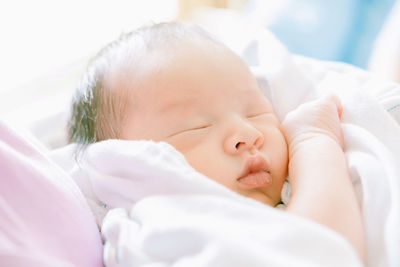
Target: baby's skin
{"points": [[320, 181]]}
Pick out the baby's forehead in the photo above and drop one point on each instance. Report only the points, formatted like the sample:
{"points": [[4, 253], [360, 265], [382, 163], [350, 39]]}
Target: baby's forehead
{"points": [[135, 69], [168, 77]]}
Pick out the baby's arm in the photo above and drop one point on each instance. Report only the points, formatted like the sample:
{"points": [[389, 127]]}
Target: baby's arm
{"points": [[320, 181]]}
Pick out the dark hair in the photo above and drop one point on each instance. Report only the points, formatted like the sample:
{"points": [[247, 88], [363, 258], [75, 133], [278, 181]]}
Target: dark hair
{"points": [[97, 112]]}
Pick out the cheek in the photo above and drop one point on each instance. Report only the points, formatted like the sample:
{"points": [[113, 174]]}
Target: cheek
{"points": [[210, 161], [199, 158], [202, 150], [281, 170], [277, 151], [283, 155]]}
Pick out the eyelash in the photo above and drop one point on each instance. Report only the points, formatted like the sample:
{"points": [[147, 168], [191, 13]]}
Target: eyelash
{"points": [[206, 126], [192, 129], [256, 115], [198, 128]]}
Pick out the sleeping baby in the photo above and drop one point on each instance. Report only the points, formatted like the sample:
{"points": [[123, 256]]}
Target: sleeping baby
{"points": [[172, 82]]}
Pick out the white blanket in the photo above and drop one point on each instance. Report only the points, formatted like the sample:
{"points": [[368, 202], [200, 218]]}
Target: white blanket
{"points": [[170, 215], [161, 212]]}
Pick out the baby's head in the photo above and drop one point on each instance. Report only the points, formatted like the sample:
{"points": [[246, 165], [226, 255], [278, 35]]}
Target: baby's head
{"points": [[172, 82]]}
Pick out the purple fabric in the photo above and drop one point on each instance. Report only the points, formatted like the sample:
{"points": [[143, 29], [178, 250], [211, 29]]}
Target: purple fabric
{"points": [[44, 218]]}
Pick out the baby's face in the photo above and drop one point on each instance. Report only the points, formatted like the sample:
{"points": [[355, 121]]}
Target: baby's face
{"points": [[205, 102]]}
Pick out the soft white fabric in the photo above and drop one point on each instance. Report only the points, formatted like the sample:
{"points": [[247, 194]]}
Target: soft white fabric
{"points": [[207, 230], [170, 214]]}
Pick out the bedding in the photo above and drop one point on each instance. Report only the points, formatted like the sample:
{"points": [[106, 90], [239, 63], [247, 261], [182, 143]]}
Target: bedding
{"points": [[385, 57], [44, 218], [155, 210]]}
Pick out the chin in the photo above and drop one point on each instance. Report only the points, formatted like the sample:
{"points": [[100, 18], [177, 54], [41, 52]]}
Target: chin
{"points": [[262, 197]]}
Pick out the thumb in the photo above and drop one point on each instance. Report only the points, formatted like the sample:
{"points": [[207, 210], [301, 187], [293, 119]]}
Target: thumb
{"points": [[338, 103]]}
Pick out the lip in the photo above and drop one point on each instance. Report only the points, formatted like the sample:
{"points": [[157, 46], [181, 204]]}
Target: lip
{"points": [[255, 173]]}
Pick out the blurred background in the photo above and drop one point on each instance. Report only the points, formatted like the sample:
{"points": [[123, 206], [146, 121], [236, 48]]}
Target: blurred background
{"points": [[45, 44]]}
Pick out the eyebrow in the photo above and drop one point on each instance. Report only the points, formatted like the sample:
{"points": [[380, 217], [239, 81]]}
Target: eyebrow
{"points": [[175, 104]]}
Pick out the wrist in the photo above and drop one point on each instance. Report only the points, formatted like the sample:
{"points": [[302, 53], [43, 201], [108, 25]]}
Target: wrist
{"points": [[312, 141], [314, 158]]}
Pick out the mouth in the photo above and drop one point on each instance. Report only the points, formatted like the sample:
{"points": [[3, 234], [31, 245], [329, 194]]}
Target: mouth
{"points": [[255, 173]]}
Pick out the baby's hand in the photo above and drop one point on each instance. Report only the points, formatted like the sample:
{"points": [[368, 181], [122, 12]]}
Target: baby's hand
{"points": [[319, 118]]}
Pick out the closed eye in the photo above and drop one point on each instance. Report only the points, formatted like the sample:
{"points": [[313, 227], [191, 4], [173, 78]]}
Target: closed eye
{"points": [[192, 129], [198, 128], [257, 114]]}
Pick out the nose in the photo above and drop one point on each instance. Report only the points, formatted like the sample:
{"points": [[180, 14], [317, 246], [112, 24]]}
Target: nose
{"points": [[244, 137]]}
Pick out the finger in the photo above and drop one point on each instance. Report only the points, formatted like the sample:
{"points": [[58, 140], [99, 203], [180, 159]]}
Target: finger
{"points": [[338, 103]]}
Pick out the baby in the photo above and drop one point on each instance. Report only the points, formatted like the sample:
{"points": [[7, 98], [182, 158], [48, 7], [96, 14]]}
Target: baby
{"points": [[172, 82]]}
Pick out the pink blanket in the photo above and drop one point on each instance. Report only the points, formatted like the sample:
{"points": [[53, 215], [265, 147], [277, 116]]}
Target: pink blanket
{"points": [[44, 218]]}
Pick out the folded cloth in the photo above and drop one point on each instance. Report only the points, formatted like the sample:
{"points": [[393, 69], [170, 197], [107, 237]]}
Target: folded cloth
{"points": [[163, 212], [209, 230], [285, 195]]}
